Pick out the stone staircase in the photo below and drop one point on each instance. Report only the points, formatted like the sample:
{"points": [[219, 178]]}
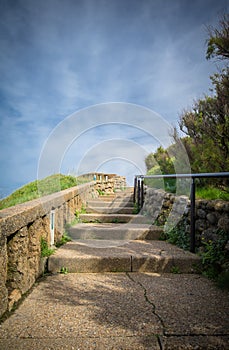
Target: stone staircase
{"points": [[111, 237]]}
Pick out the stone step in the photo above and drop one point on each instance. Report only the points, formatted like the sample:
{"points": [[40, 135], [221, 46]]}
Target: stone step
{"points": [[127, 190], [127, 196], [115, 218], [114, 231], [109, 198], [109, 204], [111, 210], [128, 256]]}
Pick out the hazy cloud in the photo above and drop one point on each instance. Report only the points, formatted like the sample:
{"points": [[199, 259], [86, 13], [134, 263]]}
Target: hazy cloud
{"points": [[58, 57]]}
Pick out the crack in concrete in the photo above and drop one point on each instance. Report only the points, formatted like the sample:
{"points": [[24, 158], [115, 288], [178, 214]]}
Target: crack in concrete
{"points": [[165, 334], [153, 309]]}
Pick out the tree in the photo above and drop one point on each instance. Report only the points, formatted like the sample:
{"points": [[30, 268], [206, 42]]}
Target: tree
{"points": [[218, 41], [206, 124], [150, 161]]}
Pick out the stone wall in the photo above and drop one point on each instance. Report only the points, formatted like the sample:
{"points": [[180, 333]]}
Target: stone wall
{"points": [[166, 208], [119, 182], [21, 230]]}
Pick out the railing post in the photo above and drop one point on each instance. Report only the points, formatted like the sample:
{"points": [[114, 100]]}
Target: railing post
{"points": [[192, 224], [135, 188], [139, 193], [142, 192]]}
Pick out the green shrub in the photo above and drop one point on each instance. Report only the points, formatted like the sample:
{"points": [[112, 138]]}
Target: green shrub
{"points": [[64, 239], [45, 250], [223, 280], [178, 236], [212, 193], [214, 254], [101, 193]]}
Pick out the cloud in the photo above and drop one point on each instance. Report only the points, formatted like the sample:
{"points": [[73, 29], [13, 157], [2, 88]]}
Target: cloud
{"points": [[58, 57], [98, 134]]}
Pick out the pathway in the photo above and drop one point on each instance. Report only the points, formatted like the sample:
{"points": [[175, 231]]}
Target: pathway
{"points": [[143, 306], [113, 239]]}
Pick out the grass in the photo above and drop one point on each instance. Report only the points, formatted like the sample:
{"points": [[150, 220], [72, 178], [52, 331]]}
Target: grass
{"points": [[77, 219], [64, 239], [45, 250], [64, 270], [101, 193], [212, 193], [39, 188], [208, 192]]}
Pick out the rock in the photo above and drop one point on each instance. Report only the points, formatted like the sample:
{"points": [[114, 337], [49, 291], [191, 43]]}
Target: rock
{"points": [[13, 298], [201, 213], [227, 246], [212, 218], [223, 223], [219, 205], [210, 235], [200, 225]]}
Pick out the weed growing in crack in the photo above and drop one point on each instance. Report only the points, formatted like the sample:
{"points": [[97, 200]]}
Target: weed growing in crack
{"points": [[45, 250]]}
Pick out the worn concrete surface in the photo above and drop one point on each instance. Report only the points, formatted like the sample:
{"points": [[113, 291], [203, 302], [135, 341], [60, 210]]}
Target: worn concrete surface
{"points": [[122, 256], [120, 311], [114, 231]]}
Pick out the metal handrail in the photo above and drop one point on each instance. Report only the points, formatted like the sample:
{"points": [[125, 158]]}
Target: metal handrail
{"points": [[139, 190]]}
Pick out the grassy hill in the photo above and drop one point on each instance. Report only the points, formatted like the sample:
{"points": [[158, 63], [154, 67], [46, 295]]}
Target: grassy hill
{"points": [[39, 188]]}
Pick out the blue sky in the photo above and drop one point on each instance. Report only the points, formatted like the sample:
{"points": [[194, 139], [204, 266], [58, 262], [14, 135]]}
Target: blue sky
{"points": [[59, 57]]}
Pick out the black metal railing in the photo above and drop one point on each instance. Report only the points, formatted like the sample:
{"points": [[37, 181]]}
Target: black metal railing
{"points": [[139, 194]]}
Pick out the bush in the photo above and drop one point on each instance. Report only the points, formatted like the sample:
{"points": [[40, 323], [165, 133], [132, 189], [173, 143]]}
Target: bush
{"points": [[214, 257], [45, 250], [178, 236], [64, 239]]}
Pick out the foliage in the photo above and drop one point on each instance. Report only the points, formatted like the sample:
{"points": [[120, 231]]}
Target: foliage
{"points": [[206, 129], [150, 162], [136, 209], [83, 210], [218, 41], [212, 193], [163, 164], [223, 280], [214, 256], [164, 161], [45, 250], [38, 188], [206, 124], [64, 239], [178, 236], [175, 270], [101, 193], [64, 270]]}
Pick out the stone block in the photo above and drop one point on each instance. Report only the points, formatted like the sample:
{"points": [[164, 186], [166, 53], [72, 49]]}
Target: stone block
{"points": [[3, 275], [212, 218], [14, 297], [223, 223]]}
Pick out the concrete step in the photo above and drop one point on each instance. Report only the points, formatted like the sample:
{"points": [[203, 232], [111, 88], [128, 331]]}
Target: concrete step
{"points": [[115, 218], [109, 204], [125, 256], [110, 210], [111, 231], [127, 190], [109, 198]]}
